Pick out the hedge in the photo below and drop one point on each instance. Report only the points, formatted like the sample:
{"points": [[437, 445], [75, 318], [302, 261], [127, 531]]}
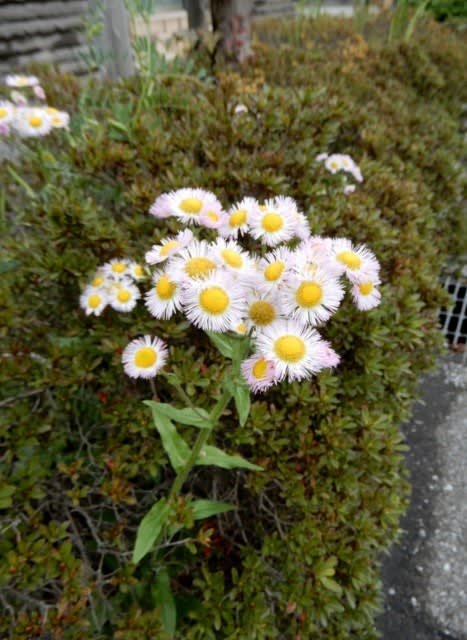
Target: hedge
{"points": [[81, 461]]}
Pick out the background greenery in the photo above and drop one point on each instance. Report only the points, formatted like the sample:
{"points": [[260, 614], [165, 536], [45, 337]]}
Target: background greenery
{"points": [[80, 460]]}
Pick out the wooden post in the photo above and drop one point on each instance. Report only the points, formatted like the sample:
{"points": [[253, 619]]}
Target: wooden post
{"points": [[114, 39], [232, 20]]}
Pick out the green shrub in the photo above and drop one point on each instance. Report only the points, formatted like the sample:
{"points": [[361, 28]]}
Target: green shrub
{"points": [[81, 463]]}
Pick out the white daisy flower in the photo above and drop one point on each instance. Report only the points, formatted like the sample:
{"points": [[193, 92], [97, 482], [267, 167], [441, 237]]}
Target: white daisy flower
{"points": [[259, 373], [168, 247], [213, 304], [161, 207], [238, 216], [144, 357], [195, 262], [321, 156], [32, 122], [21, 81], [136, 271], [350, 166], [349, 189], [164, 299], [93, 301], [99, 280], [213, 215], [312, 297], [273, 223], [274, 268], [262, 308], [59, 119], [7, 111], [39, 92], [188, 204], [302, 226], [124, 297], [333, 163], [356, 262], [4, 129], [240, 108], [233, 257], [19, 99], [295, 350], [365, 294], [117, 269]]}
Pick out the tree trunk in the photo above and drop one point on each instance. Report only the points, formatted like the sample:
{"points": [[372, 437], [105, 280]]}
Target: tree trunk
{"points": [[114, 39], [232, 20]]}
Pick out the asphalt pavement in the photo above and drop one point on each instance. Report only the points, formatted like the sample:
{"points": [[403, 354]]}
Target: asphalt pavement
{"points": [[425, 575]]}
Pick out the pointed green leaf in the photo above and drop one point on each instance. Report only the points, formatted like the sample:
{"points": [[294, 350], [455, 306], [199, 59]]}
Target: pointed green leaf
{"points": [[149, 529], [242, 402], [192, 416], [222, 342], [207, 508], [164, 598], [213, 455], [173, 443], [331, 584]]}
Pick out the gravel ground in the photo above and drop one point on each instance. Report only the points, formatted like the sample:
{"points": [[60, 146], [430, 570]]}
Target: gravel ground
{"points": [[425, 576]]}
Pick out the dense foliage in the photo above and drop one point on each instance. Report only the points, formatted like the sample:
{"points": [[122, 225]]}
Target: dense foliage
{"points": [[81, 462]]}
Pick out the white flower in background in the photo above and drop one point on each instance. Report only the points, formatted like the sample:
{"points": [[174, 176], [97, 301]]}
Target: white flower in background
{"points": [[117, 269], [321, 156], [196, 261], [274, 267], [137, 271], [188, 204], [295, 350], [161, 207], [7, 111], [212, 216], [31, 122], [21, 81], [240, 108], [18, 98], [4, 129], [124, 296], [213, 304], [259, 373], [93, 301], [59, 119], [164, 299], [333, 163], [144, 357], [349, 188], [169, 246], [365, 294], [39, 92], [233, 257]]}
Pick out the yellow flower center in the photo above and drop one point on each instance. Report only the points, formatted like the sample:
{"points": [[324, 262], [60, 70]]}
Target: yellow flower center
{"points": [[51, 111], [191, 205], [262, 312], [124, 295], [199, 267], [57, 121], [350, 259], [138, 271], [334, 164], [167, 248], [119, 267], [290, 348], [35, 121], [21, 81], [145, 357], [94, 301], [3, 112], [232, 258], [214, 300], [241, 328], [212, 215], [272, 222], [238, 218], [274, 271], [165, 288], [97, 281], [309, 294], [259, 368], [365, 288]]}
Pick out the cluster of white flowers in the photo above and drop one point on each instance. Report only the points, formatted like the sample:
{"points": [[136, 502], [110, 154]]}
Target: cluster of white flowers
{"points": [[19, 116], [337, 162], [278, 294]]}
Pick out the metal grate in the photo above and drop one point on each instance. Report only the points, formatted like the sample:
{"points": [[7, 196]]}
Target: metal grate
{"points": [[454, 320]]}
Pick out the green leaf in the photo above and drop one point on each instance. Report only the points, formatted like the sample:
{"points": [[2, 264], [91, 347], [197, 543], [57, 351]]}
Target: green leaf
{"points": [[242, 402], [222, 342], [9, 265], [192, 416], [207, 508], [149, 529], [164, 598], [331, 584], [173, 443], [213, 455]]}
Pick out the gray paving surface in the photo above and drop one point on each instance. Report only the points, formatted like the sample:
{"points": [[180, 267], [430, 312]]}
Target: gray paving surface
{"points": [[425, 576]]}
